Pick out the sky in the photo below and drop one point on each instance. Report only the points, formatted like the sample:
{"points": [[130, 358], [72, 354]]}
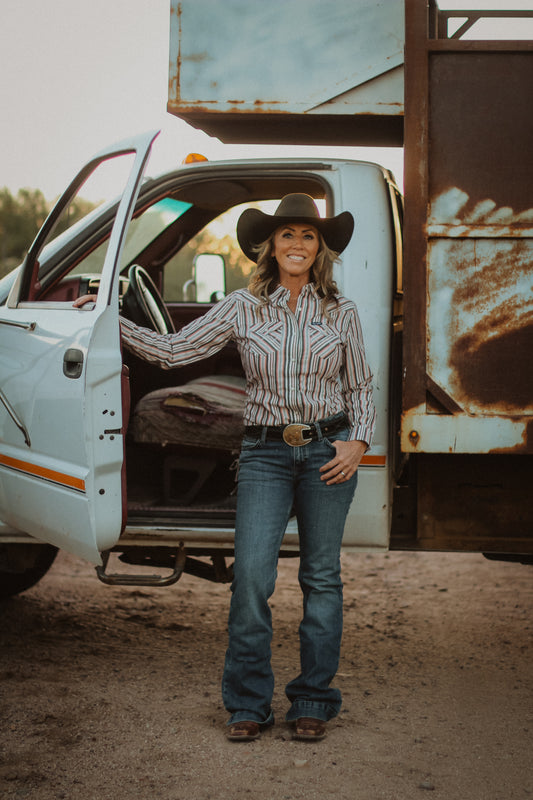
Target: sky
{"points": [[78, 76]]}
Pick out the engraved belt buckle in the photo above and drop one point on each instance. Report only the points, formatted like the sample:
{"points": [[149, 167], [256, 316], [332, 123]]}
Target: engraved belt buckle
{"points": [[292, 434]]}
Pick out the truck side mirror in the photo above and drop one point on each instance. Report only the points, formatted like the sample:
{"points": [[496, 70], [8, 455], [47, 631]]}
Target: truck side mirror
{"points": [[209, 277]]}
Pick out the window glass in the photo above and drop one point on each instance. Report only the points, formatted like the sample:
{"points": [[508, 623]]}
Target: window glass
{"points": [[142, 230], [218, 237]]}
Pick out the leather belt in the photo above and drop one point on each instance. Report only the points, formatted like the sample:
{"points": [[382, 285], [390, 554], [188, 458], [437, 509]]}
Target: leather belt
{"points": [[297, 433]]}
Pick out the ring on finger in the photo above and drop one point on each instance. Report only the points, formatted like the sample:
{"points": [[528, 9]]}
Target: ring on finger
{"points": [[343, 473]]}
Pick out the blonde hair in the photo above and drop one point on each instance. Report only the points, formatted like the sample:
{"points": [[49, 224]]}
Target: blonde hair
{"points": [[265, 277]]}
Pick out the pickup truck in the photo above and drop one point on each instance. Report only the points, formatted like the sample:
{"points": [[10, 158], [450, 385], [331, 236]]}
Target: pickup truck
{"points": [[108, 457], [101, 453]]}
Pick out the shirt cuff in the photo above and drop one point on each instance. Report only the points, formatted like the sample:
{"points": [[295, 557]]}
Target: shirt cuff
{"points": [[360, 433]]}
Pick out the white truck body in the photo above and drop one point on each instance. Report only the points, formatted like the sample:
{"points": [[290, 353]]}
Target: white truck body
{"points": [[63, 437]]}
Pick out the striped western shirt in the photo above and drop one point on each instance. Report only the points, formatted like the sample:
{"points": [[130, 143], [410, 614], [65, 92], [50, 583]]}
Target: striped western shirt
{"points": [[299, 367]]}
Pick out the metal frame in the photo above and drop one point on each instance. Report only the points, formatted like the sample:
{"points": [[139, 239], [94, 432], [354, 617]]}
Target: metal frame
{"points": [[443, 16], [425, 26]]}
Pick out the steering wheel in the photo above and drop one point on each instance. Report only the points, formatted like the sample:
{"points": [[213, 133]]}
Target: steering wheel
{"points": [[143, 304]]}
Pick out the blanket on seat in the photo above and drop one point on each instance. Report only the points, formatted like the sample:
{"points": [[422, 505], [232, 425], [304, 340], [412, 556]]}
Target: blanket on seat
{"points": [[206, 412]]}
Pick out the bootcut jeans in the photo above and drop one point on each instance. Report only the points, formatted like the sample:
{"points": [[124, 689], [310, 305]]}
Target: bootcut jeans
{"points": [[274, 480]]}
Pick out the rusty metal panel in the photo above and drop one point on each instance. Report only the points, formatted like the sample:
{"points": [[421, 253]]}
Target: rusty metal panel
{"points": [[469, 244], [480, 134], [480, 323], [289, 70]]}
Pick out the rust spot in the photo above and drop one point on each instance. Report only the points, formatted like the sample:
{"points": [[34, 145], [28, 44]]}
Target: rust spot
{"points": [[196, 58], [183, 109], [490, 276], [491, 325], [496, 371], [525, 447]]}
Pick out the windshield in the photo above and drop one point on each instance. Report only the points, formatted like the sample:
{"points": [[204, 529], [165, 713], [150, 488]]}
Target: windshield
{"points": [[143, 229]]}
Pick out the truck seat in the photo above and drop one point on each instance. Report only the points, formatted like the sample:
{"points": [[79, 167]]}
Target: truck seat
{"points": [[205, 412]]}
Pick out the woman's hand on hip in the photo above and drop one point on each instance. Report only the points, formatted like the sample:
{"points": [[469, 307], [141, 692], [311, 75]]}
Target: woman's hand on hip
{"points": [[345, 463]]}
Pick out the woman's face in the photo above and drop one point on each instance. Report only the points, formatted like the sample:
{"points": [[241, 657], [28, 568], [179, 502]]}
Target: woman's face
{"points": [[295, 248]]}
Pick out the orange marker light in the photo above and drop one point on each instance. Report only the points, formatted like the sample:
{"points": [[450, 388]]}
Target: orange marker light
{"points": [[191, 158]]}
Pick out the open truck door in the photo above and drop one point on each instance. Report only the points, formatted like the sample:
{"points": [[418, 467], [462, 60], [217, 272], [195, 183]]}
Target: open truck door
{"points": [[61, 419]]}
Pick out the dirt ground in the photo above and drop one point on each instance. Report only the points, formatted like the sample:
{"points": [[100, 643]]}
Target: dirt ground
{"points": [[113, 693]]}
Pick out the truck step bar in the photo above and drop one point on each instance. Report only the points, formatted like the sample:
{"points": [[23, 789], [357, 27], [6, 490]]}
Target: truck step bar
{"points": [[174, 559], [130, 579]]}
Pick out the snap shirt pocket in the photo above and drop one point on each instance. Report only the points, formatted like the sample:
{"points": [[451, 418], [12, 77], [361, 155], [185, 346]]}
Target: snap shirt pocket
{"points": [[260, 350], [325, 345], [266, 338]]}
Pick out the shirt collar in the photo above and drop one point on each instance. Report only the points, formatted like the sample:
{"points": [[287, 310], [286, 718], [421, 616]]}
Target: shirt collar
{"points": [[280, 296]]}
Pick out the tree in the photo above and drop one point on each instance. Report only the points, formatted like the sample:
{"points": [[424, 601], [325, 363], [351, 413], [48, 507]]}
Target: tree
{"points": [[20, 219]]}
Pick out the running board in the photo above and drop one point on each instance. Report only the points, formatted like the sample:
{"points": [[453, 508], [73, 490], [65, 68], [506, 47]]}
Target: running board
{"points": [[130, 579]]}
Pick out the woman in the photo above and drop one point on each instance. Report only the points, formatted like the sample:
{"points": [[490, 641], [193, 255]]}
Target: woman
{"points": [[309, 419]]}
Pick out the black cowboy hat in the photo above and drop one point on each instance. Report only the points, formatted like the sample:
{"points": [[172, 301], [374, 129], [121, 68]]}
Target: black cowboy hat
{"points": [[254, 227]]}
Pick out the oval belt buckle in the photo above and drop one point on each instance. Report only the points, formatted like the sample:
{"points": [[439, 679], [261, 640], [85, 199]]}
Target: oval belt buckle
{"points": [[292, 434]]}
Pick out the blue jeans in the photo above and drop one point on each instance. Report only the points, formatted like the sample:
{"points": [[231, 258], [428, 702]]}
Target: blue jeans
{"points": [[274, 480]]}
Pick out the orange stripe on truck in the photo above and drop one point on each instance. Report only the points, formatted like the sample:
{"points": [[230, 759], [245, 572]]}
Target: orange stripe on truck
{"points": [[374, 461], [43, 472]]}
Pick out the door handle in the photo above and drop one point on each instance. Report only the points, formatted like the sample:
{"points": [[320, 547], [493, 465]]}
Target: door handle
{"points": [[73, 363]]}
